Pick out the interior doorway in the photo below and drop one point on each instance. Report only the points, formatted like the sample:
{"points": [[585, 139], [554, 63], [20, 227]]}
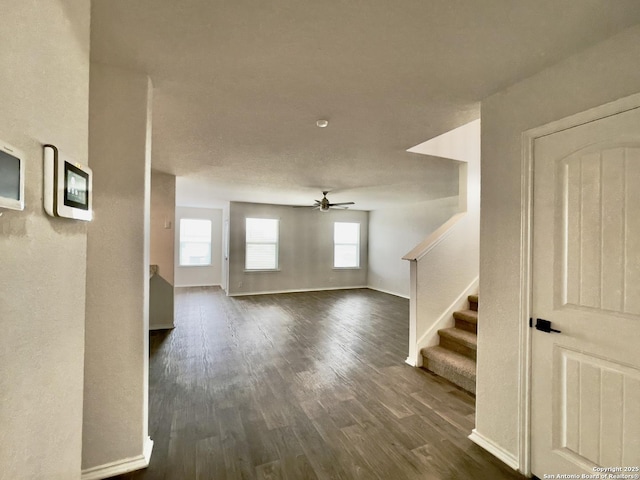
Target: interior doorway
{"points": [[585, 375]]}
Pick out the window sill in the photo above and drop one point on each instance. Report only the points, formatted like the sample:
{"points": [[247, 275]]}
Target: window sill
{"points": [[346, 268], [262, 270], [195, 266]]}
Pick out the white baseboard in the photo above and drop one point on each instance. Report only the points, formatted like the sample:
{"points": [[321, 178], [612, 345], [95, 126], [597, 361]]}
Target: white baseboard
{"points": [[388, 292], [297, 290], [412, 362], [162, 326], [495, 450], [120, 467]]}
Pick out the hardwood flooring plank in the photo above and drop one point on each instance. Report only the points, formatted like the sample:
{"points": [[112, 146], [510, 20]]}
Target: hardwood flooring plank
{"points": [[234, 446], [302, 386], [269, 471], [322, 457], [385, 458], [262, 449], [209, 463], [297, 468], [354, 464]]}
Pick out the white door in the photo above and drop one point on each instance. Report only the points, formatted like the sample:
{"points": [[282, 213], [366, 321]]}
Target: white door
{"points": [[586, 281]]}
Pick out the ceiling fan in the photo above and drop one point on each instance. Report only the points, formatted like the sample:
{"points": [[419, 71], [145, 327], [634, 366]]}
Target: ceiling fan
{"points": [[324, 205]]}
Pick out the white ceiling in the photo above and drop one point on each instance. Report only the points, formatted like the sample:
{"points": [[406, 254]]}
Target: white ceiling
{"points": [[239, 85]]}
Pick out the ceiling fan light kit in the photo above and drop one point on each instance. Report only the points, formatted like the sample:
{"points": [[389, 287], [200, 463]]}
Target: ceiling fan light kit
{"points": [[324, 205]]}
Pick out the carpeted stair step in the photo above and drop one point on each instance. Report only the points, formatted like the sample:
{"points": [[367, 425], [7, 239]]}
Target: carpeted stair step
{"points": [[458, 340], [467, 320], [473, 302], [453, 366]]}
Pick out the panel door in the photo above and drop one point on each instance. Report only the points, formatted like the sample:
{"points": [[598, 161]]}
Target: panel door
{"points": [[586, 281]]}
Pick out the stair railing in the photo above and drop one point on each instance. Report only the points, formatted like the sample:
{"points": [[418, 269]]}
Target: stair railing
{"points": [[444, 267], [443, 272]]}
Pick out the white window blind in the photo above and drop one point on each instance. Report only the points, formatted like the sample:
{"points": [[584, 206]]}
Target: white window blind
{"points": [[261, 244], [195, 242], [346, 245]]}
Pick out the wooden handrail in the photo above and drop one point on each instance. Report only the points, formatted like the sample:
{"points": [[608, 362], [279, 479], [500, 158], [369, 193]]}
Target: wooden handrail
{"points": [[434, 239]]}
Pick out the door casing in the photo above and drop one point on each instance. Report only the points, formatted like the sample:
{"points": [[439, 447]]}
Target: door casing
{"points": [[526, 206]]}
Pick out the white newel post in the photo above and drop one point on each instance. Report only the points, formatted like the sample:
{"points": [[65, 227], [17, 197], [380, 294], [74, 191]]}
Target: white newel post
{"points": [[413, 359]]}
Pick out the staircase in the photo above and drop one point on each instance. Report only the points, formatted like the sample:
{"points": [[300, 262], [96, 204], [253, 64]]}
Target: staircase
{"points": [[455, 357]]}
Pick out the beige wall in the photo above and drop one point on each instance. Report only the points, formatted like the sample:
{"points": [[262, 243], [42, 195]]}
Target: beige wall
{"points": [[393, 232], [44, 89], [306, 250], [444, 267], [116, 356], [598, 75], [163, 212]]}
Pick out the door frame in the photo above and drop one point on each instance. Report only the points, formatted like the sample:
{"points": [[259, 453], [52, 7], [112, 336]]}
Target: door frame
{"points": [[526, 242]]}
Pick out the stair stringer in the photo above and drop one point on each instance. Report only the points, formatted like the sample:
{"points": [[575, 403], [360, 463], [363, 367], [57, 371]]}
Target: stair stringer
{"points": [[431, 338]]}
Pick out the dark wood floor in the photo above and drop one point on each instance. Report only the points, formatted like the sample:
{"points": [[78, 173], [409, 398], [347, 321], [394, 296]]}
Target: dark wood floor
{"points": [[303, 386]]}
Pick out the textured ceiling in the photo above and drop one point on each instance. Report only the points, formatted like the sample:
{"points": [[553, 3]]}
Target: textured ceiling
{"points": [[239, 85]]}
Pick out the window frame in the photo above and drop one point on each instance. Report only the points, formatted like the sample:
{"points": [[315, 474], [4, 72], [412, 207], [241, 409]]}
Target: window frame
{"points": [[357, 245], [180, 242], [276, 268]]}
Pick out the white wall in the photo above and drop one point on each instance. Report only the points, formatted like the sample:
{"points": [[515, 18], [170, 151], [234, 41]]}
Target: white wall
{"points": [[162, 228], [395, 231], [600, 74], [444, 267], [117, 316], [225, 246], [200, 276], [306, 250], [161, 250], [44, 91], [191, 192]]}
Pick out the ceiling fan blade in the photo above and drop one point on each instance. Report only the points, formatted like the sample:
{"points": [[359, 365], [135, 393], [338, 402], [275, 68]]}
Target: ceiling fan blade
{"points": [[324, 205]]}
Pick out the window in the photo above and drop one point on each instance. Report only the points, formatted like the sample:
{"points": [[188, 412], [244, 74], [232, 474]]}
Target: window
{"points": [[195, 242], [346, 245], [262, 244]]}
